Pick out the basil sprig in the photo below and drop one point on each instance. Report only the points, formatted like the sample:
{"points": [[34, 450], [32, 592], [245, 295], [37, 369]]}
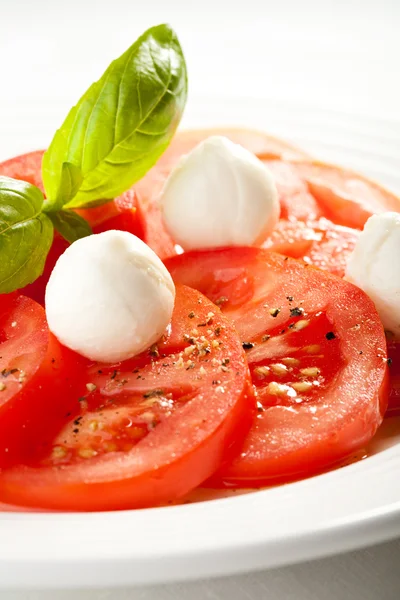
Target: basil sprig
{"points": [[109, 140], [121, 125]]}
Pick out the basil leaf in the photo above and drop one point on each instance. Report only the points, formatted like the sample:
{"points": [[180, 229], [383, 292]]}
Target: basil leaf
{"points": [[70, 181], [26, 234], [71, 225], [123, 123]]}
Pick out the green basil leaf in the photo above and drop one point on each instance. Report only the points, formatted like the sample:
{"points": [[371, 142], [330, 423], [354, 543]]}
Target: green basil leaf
{"points": [[26, 234], [70, 182], [70, 225], [123, 123]]}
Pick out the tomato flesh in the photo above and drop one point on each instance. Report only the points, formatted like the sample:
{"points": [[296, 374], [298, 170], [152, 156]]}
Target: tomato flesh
{"points": [[317, 353], [147, 431]]}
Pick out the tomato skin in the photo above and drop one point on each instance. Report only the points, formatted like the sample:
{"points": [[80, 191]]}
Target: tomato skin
{"points": [[49, 374], [184, 449], [314, 434]]}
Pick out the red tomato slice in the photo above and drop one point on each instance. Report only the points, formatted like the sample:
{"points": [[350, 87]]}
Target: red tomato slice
{"points": [[345, 197], [27, 167], [320, 243], [36, 372], [264, 146], [146, 431], [317, 353]]}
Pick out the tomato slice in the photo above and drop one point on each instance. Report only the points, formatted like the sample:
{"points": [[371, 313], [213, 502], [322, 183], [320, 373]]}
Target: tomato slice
{"points": [[264, 146], [317, 354], [146, 431], [35, 372], [27, 167], [347, 198], [320, 243]]}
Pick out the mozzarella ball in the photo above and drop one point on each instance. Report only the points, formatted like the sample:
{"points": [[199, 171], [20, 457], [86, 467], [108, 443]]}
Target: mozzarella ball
{"points": [[219, 194], [374, 267], [109, 297]]}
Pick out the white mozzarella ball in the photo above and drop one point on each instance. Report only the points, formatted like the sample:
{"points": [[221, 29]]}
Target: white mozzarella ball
{"points": [[109, 297], [374, 266], [219, 194]]}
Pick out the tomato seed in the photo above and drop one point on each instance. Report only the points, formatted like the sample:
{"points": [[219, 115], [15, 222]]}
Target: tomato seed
{"points": [[302, 386], [278, 369], [310, 372]]}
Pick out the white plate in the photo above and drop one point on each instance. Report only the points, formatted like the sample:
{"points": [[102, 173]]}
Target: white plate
{"points": [[355, 505]]}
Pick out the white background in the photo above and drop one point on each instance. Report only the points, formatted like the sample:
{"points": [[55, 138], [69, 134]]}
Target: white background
{"points": [[337, 55]]}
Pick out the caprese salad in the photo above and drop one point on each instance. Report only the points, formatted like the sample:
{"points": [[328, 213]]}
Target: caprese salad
{"points": [[201, 308]]}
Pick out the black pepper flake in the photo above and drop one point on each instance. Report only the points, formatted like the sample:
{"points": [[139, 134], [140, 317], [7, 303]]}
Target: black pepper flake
{"points": [[286, 258], [225, 362], [67, 415], [217, 331], [139, 377], [114, 374], [260, 407], [265, 338], [53, 360], [201, 324], [191, 315], [135, 371], [330, 335], [154, 351], [191, 366], [389, 361], [78, 421], [216, 382], [360, 352], [75, 431], [282, 331], [7, 372], [290, 298], [82, 399], [291, 325], [100, 372], [275, 312], [247, 345], [165, 364], [296, 312], [153, 394]]}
